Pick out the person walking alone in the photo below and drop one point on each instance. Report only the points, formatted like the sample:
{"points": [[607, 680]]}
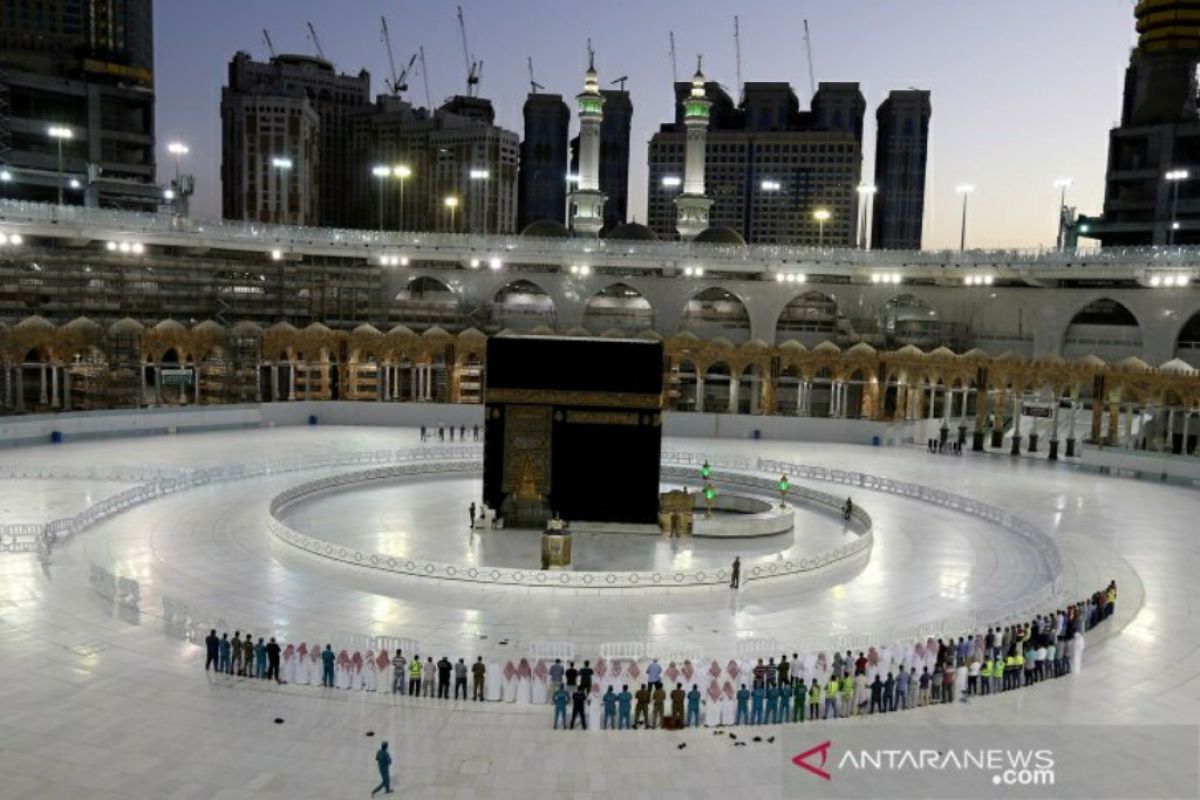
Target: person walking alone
{"points": [[384, 762], [736, 575], [471, 512]]}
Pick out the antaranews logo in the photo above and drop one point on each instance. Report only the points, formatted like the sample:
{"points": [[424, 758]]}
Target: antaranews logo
{"points": [[1007, 767]]}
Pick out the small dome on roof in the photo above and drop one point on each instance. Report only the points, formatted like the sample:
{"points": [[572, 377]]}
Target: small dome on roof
{"points": [[282, 327], [317, 328], [792, 344], [578, 331], [247, 328], [721, 341], [169, 325], [1133, 362], [34, 322], [1091, 361], [755, 344], [81, 324], [910, 351], [650, 335], [367, 329], [943, 352], [401, 330], [720, 235], [542, 330], [632, 232], [613, 333], [126, 325], [975, 352], [208, 325], [827, 347], [472, 333], [862, 348], [546, 229], [1177, 366], [687, 336], [434, 331]]}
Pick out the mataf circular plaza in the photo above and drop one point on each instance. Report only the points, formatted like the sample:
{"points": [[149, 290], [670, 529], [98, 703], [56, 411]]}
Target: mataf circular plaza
{"points": [[893, 505]]}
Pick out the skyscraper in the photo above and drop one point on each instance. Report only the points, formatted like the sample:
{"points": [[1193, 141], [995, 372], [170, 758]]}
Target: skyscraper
{"points": [[1157, 136], [290, 79], [85, 68], [542, 192], [769, 165], [457, 151], [901, 151]]}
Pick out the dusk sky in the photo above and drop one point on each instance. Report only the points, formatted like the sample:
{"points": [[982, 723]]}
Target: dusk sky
{"points": [[1024, 91]]}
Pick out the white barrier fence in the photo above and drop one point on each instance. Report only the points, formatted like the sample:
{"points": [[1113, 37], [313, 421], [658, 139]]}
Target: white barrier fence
{"points": [[516, 576]]}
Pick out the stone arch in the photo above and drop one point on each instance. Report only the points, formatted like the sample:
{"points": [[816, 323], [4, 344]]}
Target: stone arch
{"points": [[1187, 342], [810, 317], [425, 301], [1103, 327], [521, 305], [909, 319], [717, 377], [618, 306], [716, 311]]}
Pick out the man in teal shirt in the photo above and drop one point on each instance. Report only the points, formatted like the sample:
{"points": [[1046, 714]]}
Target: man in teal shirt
{"points": [[560, 707], [772, 704], [327, 658], [756, 705], [743, 698], [799, 701], [693, 707], [610, 710], [385, 762], [624, 699], [785, 703]]}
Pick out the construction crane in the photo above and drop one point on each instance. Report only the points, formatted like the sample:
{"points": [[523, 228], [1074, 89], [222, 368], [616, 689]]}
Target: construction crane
{"points": [[737, 47], [387, 42], [270, 45], [533, 85], [312, 32], [621, 80], [425, 77], [812, 80], [674, 65], [474, 68]]}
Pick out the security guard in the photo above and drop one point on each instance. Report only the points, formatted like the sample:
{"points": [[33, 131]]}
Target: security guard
{"points": [[756, 704], [985, 675], [814, 701], [743, 713], [771, 713], [642, 710], [799, 700], [831, 697], [660, 698], [623, 701], [693, 707], [847, 696]]}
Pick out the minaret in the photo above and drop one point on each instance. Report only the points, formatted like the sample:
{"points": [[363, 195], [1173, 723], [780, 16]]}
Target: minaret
{"points": [[587, 198], [693, 206]]}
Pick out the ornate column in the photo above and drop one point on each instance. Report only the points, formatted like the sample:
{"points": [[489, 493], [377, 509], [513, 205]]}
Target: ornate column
{"points": [[158, 398], [1016, 437], [1071, 426], [734, 380], [66, 390], [1114, 412], [42, 397], [1054, 410], [699, 390], [274, 382], [291, 380], [53, 386], [1129, 428], [1170, 442]]}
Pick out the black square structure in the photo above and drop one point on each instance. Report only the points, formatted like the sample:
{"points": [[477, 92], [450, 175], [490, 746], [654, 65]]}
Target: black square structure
{"points": [[579, 420]]}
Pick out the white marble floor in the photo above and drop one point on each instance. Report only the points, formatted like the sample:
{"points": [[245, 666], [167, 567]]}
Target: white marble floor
{"points": [[97, 703], [426, 518]]}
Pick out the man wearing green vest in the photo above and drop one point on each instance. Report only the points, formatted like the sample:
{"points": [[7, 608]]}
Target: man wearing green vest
{"points": [[831, 697], [985, 675]]}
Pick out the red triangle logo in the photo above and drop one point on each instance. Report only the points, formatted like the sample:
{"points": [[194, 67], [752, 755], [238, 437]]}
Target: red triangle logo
{"points": [[802, 760]]}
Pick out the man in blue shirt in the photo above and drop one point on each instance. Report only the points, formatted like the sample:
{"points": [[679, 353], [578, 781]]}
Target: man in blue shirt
{"points": [[756, 705], [260, 659], [654, 675], [384, 761], [556, 675], [624, 699], [560, 707], [223, 653], [785, 703], [693, 707], [327, 666], [743, 698], [772, 703], [610, 710]]}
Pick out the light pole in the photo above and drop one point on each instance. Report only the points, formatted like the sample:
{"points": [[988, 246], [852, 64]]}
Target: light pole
{"points": [[179, 150], [381, 172], [58, 133], [282, 165], [821, 215], [482, 176], [965, 190], [451, 203], [1176, 177], [402, 172], [865, 192], [1063, 184]]}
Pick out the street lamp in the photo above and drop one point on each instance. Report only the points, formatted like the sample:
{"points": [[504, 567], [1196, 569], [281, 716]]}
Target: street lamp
{"points": [[482, 175], [381, 172], [402, 172], [1176, 177], [1063, 184], [965, 190], [865, 191], [58, 133], [179, 150], [821, 215], [281, 164], [451, 203]]}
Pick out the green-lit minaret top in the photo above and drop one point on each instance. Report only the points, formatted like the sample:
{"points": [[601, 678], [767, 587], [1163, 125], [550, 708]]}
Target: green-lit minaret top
{"points": [[1164, 25]]}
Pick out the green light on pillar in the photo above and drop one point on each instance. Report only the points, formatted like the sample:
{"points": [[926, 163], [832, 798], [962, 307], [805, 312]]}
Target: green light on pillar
{"points": [[784, 485], [709, 492], [705, 471]]}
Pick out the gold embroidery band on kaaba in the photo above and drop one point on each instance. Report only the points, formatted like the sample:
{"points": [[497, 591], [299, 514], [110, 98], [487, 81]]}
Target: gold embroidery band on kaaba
{"points": [[567, 398], [603, 417]]}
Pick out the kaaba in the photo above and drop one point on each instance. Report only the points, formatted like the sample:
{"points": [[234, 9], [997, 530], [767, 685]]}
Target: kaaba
{"points": [[576, 423]]}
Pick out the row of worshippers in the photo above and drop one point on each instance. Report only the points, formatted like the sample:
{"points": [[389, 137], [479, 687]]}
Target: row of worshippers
{"points": [[878, 680]]}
